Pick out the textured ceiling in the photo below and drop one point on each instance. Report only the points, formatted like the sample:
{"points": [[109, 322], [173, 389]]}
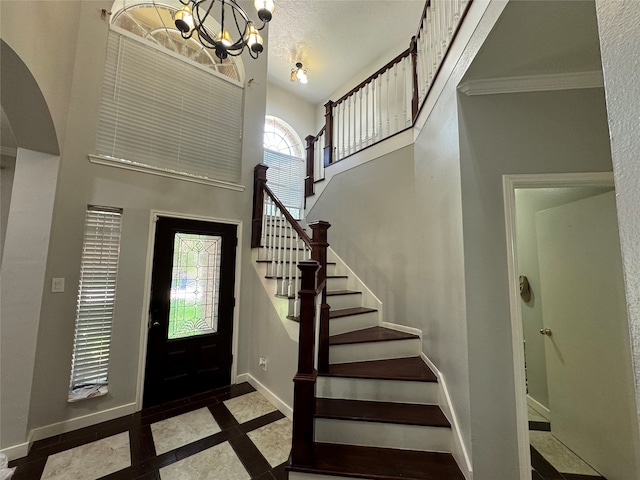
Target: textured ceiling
{"points": [[336, 39]]}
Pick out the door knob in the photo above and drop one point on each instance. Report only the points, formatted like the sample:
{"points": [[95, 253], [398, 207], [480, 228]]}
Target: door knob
{"points": [[155, 324], [545, 331]]}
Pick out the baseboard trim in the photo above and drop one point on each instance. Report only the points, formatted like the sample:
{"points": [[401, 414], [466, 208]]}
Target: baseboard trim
{"points": [[402, 328], [459, 450], [538, 407], [17, 451], [81, 422], [268, 394]]}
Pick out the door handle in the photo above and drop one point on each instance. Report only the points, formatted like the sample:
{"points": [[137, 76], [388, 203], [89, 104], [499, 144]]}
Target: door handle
{"points": [[155, 324], [545, 331]]}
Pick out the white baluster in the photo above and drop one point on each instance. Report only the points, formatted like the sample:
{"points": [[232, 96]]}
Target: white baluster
{"points": [[374, 111], [271, 238], [265, 203], [291, 267], [388, 75], [396, 107], [404, 88]]}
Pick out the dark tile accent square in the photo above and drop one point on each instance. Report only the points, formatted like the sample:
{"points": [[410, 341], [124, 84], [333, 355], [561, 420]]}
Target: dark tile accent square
{"points": [[145, 464], [249, 455]]}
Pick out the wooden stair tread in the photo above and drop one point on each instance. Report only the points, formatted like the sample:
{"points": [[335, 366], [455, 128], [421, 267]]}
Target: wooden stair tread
{"points": [[280, 277], [409, 368], [346, 312], [381, 463], [285, 261], [367, 335], [382, 412], [341, 292]]}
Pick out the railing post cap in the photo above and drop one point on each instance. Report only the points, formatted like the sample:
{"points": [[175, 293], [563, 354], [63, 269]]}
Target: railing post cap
{"points": [[261, 166], [319, 224], [308, 264]]}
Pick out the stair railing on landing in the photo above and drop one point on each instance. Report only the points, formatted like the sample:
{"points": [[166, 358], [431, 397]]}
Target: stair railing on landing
{"points": [[389, 101], [272, 224]]}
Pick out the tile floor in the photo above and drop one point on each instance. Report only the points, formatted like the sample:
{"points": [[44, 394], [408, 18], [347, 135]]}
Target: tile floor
{"points": [[232, 433], [550, 458]]}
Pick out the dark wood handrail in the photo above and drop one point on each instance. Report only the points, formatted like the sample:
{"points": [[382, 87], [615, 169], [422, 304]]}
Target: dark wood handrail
{"points": [[373, 76], [292, 221], [416, 104]]}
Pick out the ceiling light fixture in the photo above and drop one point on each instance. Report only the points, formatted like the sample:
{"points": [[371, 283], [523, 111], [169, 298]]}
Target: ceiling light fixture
{"points": [[299, 74], [236, 32]]}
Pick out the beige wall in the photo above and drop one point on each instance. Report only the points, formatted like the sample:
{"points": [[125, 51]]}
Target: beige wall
{"points": [[77, 79], [543, 132], [619, 30]]}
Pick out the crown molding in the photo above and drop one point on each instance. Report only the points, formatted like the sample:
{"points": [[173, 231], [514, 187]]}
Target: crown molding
{"points": [[533, 83]]}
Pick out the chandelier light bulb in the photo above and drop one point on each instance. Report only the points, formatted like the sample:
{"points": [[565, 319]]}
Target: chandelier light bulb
{"points": [[265, 9], [224, 38], [253, 38], [183, 19], [299, 74]]}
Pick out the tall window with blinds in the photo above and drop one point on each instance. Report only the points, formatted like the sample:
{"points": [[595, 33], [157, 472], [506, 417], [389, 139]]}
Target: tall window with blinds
{"points": [[168, 114], [95, 304], [285, 177]]}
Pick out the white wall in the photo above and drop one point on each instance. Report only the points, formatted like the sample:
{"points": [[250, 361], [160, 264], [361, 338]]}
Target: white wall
{"points": [[77, 69], [543, 132], [528, 202], [7, 167], [294, 110], [619, 30], [21, 287]]}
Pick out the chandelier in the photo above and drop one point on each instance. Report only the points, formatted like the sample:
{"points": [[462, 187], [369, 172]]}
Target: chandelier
{"points": [[236, 32]]}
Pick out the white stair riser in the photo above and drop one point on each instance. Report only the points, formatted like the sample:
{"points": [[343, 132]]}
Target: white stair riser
{"points": [[384, 435], [378, 390], [350, 323], [337, 283], [350, 300], [290, 282], [282, 241], [266, 254], [274, 268], [362, 352]]}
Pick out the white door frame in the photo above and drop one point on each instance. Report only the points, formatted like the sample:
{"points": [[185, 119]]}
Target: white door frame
{"points": [[509, 185], [142, 355]]}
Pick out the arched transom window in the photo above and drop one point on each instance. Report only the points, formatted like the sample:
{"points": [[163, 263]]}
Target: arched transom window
{"points": [[154, 22], [283, 154]]}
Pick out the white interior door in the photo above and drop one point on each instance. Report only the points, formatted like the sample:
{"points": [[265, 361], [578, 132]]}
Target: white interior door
{"points": [[588, 352]]}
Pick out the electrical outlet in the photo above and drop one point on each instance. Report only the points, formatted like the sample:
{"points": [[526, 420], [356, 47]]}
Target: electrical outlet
{"points": [[263, 363]]}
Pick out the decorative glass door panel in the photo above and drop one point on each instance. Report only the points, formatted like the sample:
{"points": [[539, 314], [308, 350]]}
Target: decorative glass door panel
{"points": [[191, 309], [195, 284]]}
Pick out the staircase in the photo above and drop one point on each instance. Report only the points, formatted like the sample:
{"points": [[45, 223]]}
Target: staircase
{"points": [[376, 412]]}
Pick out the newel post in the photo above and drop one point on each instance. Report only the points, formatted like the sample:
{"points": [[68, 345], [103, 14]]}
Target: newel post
{"points": [[259, 181], [415, 101], [328, 133], [319, 247], [304, 383], [310, 178]]}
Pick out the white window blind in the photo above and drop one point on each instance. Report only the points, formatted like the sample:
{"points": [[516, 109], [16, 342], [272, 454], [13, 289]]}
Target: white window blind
{"points": [[96, 296], [165, 113], [285, 177]]}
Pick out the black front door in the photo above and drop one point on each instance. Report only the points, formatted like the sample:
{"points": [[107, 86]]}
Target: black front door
{"points": [[191, 309]]}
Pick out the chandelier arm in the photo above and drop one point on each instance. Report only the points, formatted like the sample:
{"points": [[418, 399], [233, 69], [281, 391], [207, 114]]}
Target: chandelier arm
{"points": [[200, 27], [185, 2]]}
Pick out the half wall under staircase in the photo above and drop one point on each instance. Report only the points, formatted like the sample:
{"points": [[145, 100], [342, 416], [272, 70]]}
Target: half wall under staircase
{"points": [[366, 405]]}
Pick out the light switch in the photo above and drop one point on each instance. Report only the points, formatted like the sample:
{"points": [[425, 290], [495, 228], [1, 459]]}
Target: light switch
{"points": [[57, 285]]}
